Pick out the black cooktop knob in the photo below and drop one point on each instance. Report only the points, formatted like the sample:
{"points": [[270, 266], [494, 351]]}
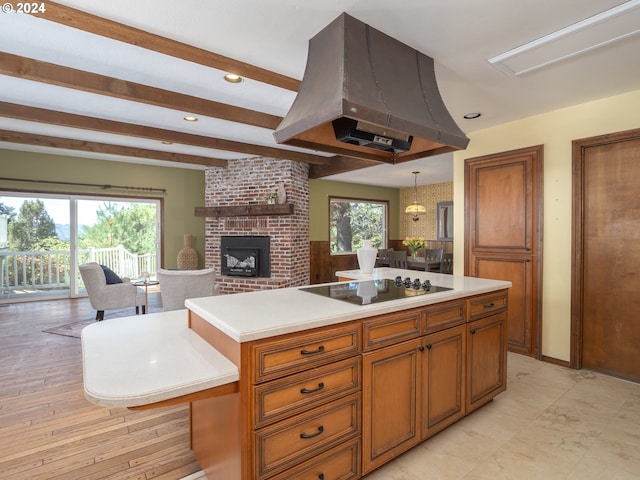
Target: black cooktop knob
{"points": [[416, 284], [407, 282], [426, 285]]}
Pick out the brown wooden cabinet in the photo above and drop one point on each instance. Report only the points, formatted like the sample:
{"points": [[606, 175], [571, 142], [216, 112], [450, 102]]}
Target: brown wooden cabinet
{"points": [[503, 235], [307, 400], [289, 442], [413, 388], [391, 404], [486, 362], [338, 402], [443, 380], [486, 349]]}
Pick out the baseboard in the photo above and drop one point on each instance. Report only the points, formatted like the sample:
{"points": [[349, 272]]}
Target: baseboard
{"points": [[556, 361]]}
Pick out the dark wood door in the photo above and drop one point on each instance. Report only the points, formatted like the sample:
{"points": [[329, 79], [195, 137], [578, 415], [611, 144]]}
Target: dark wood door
{"points": [[605, 297], [503, 240]]}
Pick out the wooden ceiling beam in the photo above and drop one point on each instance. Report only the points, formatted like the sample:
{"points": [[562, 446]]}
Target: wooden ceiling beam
{"points": [[87, 22], [41, 115], [30, 69], [321, 166], [96, 147], [340, 164]]}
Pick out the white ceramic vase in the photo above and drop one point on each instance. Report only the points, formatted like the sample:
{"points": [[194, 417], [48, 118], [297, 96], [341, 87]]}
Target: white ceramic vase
{"points": [[367, 257]]}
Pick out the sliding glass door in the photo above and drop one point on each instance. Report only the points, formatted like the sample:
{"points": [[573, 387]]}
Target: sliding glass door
{"points": [[48, 236]]}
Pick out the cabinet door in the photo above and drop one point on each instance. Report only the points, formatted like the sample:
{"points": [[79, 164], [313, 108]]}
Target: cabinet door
{"points": [[391, 415], [503, 235], [443, 379], [486, 359]]}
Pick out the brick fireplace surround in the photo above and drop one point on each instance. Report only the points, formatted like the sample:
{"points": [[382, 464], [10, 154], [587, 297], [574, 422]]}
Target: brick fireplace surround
{"points": [[244, 182]]}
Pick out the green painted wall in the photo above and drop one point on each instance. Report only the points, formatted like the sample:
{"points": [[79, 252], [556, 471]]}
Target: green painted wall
{"points": [[320, 191], [185, 189]]}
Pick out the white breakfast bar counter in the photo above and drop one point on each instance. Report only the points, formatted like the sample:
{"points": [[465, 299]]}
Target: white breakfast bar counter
{"points": [[207, 355], [145, 359]]}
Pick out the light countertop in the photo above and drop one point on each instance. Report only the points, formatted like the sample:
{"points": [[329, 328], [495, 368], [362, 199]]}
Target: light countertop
{"points": [[145, 359], [267, 313]]}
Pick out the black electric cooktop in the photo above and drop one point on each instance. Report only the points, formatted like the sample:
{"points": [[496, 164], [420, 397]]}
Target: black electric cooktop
{"points": [[365, 292]]}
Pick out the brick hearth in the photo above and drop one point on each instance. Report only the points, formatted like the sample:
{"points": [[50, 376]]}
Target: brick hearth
{"points": [[245, 182]]}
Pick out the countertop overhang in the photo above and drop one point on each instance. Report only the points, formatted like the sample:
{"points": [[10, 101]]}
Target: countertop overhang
{"points": [[145, 359]]}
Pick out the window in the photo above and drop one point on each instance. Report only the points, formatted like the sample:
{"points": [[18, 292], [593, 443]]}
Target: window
{"points": [[355, 220], [48, 235]]}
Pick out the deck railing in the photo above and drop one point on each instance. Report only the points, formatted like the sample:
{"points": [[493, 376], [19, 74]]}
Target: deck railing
{"points": [[51, 270]]}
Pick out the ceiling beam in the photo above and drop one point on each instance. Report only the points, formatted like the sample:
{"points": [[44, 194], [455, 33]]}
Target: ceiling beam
{"points": [[87, 22], [41, 115], [96, 147], [30, 69], [340, 164]]}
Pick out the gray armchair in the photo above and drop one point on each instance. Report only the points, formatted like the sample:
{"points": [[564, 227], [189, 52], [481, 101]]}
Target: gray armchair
{"points": [[178, 285], [104, 296]]}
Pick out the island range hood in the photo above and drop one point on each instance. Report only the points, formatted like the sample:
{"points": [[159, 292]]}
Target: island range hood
{"points": [[369, 96]]}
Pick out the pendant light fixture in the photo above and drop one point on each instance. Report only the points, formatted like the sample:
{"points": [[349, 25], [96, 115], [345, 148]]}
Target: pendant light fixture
{"points": [[415, 209]]}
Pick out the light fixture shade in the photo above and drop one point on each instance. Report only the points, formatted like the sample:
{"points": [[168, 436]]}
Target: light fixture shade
{"points": [[415, 209]]}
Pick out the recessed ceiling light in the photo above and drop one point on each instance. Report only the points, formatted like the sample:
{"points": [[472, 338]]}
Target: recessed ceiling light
{"points": [[167, 142], [191, 118], [233, 78], [471, 116]]}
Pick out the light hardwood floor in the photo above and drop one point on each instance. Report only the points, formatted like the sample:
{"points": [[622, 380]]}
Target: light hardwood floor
{"points": [[48, 430]]}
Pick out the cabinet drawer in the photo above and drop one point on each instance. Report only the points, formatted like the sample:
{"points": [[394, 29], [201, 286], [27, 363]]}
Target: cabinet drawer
{"points": [[442, 316], [390, 329], [485, 305], [339, 463], [291, 395], [299, 352], [297, 439]]}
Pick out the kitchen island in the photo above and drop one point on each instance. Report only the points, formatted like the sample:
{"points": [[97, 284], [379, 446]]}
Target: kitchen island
{"points": [[328, 388]]}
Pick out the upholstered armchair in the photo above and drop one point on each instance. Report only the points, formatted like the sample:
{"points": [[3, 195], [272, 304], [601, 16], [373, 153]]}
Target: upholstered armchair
{"points": [[178, 285], [109, 296]]}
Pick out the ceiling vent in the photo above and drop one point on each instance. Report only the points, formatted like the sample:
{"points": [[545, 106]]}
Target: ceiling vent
{"points": [[369, 96]]}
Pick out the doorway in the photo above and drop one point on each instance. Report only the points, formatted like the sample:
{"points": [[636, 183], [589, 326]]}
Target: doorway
{"points": [[605, 331]]}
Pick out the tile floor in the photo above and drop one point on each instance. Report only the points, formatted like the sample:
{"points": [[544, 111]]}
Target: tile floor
{"points": [[552, 423]]}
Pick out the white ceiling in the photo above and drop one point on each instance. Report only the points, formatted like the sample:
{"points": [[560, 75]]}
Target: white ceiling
{"points": [[461, 36]]}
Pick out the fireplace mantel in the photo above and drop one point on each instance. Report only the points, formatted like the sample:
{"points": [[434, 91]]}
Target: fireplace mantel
{"points": [[245, 210]]}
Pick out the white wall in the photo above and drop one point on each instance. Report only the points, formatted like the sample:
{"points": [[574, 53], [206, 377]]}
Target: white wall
{"points": [[555, 130]]}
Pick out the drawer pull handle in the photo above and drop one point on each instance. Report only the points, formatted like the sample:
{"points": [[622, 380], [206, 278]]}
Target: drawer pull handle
{"points": [[489, 305], [313, 390], [312, 435], [311, 352], [473, 331]]}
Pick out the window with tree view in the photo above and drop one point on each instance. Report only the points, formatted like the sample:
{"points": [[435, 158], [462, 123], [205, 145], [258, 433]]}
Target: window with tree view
{"points": [[353, 220], [44, 237]]}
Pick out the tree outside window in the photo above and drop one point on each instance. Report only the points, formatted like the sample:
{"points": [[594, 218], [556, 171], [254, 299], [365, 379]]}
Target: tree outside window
{"points": [[354, 220]]}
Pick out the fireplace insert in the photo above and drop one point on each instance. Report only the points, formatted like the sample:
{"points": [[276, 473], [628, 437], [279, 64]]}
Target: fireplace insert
{"points": [[245, 256]]}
